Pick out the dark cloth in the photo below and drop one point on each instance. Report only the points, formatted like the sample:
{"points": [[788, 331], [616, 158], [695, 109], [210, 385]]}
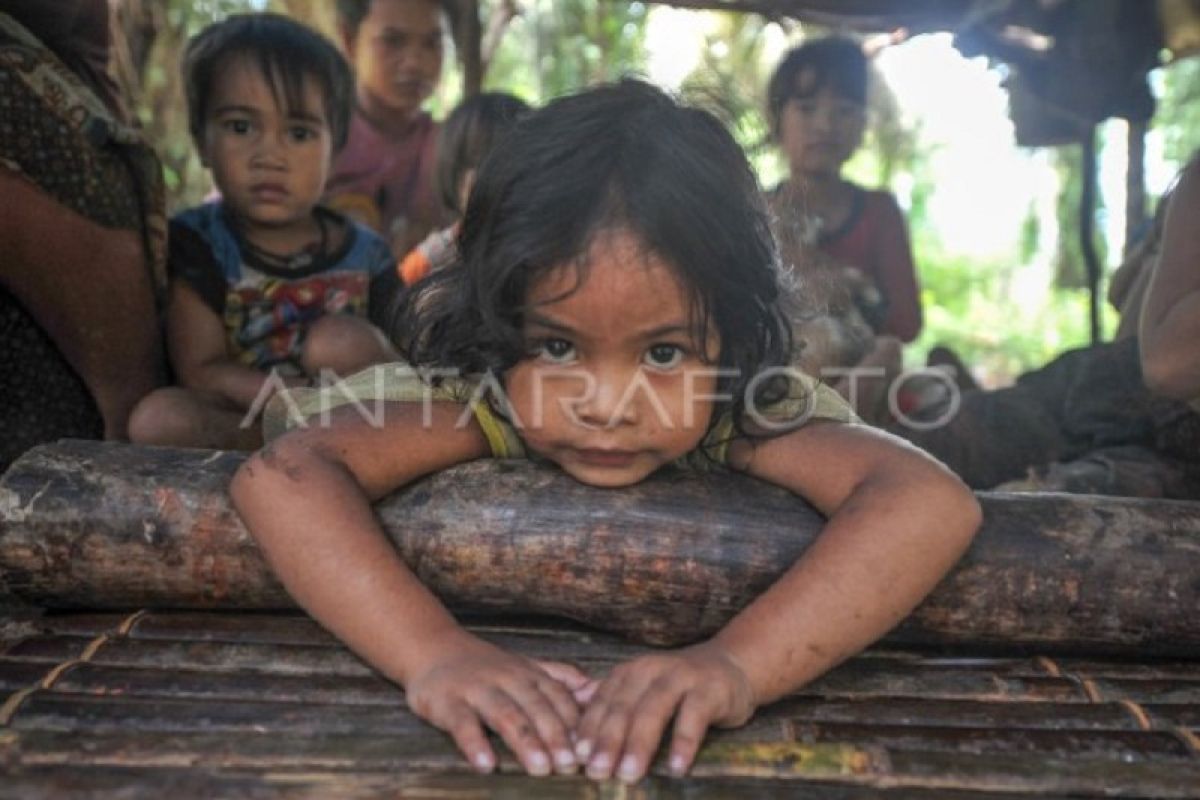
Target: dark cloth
{"points": [[79, 307], [42, 397], [1084, 401]]}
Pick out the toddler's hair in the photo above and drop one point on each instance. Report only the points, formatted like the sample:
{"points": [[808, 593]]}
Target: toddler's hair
{"points": [[621, 156], [834, 61], [351, 13], [470, 133], [285, 52]]}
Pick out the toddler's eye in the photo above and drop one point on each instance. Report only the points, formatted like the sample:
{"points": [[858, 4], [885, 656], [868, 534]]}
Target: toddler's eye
{"points": [[300, 133], [238, 126], [664, 356], [556, 351]]}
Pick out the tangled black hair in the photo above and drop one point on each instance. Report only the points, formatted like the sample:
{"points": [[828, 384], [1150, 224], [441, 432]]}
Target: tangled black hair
{"points": [[285, 51], [620, 156]]}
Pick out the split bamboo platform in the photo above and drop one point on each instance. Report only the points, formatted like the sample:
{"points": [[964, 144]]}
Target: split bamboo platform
{"points": [[226, 704], [1061, 659]]}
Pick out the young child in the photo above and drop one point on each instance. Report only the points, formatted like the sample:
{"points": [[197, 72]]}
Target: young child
{"points": [[263, 280], [468, 134], [620, 281], [385, 175], [816, 103]]}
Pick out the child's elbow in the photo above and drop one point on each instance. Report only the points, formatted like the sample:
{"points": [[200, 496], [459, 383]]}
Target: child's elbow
{"points": [[951, 510], [962, 511], [275, 465]]}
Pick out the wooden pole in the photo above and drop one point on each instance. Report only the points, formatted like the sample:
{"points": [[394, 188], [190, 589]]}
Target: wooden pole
{"points": [[1135, 182], [95, 525], [468, 40], [1087, 230]]}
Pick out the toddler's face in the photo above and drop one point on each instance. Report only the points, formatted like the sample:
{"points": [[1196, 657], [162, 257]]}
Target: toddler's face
{"points": [[617, 382], [269, 163], [819, 130], [397, 55]]}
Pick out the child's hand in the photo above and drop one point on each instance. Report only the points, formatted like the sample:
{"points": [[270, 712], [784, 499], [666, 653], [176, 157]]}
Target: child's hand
{"points": [[471, 683], [628, 711]]}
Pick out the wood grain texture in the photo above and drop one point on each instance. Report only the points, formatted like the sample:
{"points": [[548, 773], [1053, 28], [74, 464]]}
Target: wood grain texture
{"points": [[94, 525]]}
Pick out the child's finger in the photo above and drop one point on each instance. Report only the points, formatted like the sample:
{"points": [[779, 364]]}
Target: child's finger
{"points": [[509, 718], [691, 723], [553, 712], [568, 675], [584, 694], [463, 725], [645, 728], [612, 731], [593, 714]]}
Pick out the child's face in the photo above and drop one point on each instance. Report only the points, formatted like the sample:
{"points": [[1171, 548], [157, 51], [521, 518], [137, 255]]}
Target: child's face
{"points": [[819, 131], [397, 55], [270, 164], [615, 385]]}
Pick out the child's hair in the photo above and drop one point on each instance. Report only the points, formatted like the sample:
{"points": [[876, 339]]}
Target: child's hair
{"points": [[469, 134], [285, 51], [835, 62], [351, 13], [622, 156]]}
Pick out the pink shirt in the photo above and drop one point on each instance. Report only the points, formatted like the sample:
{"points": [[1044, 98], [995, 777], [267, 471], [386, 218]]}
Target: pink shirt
{"points": [[386, 183]]}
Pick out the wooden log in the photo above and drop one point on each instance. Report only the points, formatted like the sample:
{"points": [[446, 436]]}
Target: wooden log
{"points": [[93, 525]]}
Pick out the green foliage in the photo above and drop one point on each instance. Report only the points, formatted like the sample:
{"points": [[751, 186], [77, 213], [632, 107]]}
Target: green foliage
{"points": [[1178, 115], [558, 46], [968, 306]]}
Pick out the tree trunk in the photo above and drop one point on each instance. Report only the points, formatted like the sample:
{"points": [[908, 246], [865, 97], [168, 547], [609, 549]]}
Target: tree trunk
{"points": [[94, 525]]}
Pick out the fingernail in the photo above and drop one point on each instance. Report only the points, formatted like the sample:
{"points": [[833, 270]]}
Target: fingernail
{"points": [[628, 770], [599, 766], [538, 763], [677, 765], [483, 762], [565, 759], [583, 749]]}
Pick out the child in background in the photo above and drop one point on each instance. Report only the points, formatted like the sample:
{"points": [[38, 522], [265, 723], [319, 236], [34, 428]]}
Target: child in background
{"points": [[817, 104], [263, 281], [622, 289], [468, 134], [384, 177], [1170, 320]]}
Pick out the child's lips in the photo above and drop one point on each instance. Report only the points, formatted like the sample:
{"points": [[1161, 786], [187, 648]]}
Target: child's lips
{"points": [[270, 192], [597, 457]]}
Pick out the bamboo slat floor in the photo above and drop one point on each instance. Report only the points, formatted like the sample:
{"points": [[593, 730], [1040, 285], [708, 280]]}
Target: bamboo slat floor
{"points": [[264, 705]]}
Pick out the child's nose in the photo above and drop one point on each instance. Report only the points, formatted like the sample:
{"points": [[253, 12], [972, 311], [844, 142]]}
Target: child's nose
{"points": [[613, 400], [270, 152]]}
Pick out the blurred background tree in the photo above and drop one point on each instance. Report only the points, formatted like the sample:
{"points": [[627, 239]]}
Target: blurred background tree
{"points": [[539, 49]]}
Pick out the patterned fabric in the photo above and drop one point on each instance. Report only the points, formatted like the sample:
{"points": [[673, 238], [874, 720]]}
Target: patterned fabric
{"points": [[267, 312], [42, 397], [806, 400], [57, 133]]}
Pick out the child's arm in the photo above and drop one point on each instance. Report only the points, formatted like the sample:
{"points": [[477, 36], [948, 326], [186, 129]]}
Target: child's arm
{"points": [[1170, 322], [196, 342], [898, 521], [306, 499]]}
